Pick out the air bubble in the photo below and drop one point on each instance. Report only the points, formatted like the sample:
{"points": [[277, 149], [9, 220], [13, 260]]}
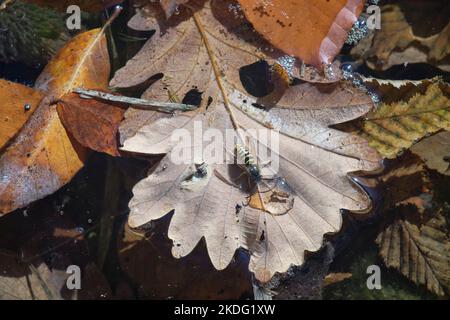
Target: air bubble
{"points": [[288, 64], [358, 32], [347, 68]]}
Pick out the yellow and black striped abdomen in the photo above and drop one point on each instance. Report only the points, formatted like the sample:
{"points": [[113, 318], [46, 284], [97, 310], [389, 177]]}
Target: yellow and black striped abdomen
{"points": [[245, 157]]}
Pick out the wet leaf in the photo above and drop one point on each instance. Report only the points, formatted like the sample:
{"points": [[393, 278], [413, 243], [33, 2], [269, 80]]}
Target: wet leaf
{"points": [[410, 110], [44, 157], [414, 236], [419, 252], [21, 281], [17, 104], [92, 122], [435, 152], [418, 32], [313, 31], [82, 62], [206, 204], [408, 184]]}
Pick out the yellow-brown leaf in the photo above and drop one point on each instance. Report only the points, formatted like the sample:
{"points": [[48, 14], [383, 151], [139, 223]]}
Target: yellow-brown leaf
{"points": [[44, 156], [13, 113]]}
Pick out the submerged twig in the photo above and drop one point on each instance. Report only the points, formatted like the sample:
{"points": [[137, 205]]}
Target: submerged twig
{"points": [[167, 107]]}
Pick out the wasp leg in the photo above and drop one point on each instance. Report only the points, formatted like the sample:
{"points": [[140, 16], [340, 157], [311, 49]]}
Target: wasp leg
{"points": [[266, 164], [223, 179], [270, 188]]}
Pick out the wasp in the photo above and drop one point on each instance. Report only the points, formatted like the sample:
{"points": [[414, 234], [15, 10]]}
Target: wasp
{"points": [[270, 194], [250, 164]]}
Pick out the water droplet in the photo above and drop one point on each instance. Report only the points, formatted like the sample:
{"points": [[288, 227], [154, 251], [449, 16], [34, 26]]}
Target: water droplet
{"points": [[347, 68], [79, 229]]}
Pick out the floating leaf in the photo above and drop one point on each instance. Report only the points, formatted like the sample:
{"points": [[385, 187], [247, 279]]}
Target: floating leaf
{"points": [[417, 32], [410, 110], [43, 157], [206, 203], [407, 183], [21, 281], [419, 252], [17, 104], [313, 31], [414, 239], [435, 152], [92, 122]]}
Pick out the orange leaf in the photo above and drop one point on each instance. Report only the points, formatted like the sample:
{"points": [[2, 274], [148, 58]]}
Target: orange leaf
{"points": [[44, 157], [83, 62], [92, 122], [313, 31], [41, 160], [14, 100]]}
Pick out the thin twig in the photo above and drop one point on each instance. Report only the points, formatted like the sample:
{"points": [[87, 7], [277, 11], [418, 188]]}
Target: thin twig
{"points": [[167, 107]]}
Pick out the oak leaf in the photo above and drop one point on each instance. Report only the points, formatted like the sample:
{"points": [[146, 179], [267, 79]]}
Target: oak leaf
{"points": [[197, 52], [313, 31]]}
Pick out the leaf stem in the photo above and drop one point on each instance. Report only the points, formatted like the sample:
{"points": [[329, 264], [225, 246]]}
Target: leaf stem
{"points": [[217, 73]]}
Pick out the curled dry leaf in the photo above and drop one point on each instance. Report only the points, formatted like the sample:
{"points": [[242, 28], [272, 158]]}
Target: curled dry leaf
{"points": [[410, 110], [43, 157], [418, 32], [17, 104], [435, 152], [313, 31], [314, 159], [92, 122]]}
